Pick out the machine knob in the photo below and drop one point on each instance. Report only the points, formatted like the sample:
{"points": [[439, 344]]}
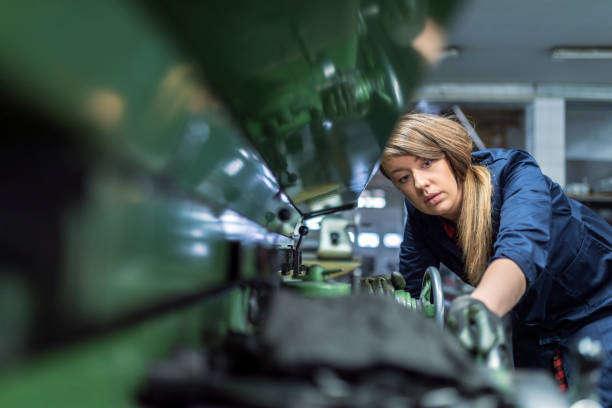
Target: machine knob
{"points": [[335, 238], [284, 214]]}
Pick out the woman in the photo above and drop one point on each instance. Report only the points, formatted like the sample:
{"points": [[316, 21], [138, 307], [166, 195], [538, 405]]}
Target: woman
{"points": [[495, 220]]}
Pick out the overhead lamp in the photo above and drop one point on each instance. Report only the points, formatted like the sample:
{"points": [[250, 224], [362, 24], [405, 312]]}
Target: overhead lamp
{"points": [[581, 53]]}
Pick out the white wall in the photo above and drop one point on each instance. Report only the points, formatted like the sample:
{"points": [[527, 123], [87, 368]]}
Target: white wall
{"points": [[589, 132], [545, 135]]}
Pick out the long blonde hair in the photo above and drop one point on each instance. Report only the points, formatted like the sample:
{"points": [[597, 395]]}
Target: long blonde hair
{"points": [[435, 137]]}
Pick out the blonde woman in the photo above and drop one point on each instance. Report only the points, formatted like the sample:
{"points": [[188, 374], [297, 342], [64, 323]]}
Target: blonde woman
{"points": [[495, 220]]}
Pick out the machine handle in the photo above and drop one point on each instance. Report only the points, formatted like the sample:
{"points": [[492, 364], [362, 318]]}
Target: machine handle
{"points": [[432, 288]]}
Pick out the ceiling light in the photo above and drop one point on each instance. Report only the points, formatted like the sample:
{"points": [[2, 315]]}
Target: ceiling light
{"points": [[581, 53]]}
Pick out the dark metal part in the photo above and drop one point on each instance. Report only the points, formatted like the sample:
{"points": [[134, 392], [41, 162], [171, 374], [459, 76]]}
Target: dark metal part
{"points": [[297, 255], [333, 210], [284, 214], [477, 140]]}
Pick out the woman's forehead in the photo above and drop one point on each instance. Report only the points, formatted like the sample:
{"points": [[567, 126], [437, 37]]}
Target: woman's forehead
{"points": [[403, 161]]}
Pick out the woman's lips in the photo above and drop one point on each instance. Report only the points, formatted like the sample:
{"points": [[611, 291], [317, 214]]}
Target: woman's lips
{"points": [[433, 199]]}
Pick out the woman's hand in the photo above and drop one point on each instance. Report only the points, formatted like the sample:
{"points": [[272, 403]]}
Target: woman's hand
{"points": [[383, 284], [477, 328]]}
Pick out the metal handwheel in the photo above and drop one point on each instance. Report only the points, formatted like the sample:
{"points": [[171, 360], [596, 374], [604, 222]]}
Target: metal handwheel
{"points": [[432, 293]]}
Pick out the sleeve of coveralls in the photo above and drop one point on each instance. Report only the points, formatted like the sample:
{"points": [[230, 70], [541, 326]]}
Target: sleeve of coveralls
{"points": [[414, 256], [525, 219]]}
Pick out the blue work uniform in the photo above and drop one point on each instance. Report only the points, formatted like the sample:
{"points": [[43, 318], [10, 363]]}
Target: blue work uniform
{"points": [[563, 248]]}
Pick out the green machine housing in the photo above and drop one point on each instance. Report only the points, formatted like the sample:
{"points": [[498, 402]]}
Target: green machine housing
{"points": [[158, 159]]}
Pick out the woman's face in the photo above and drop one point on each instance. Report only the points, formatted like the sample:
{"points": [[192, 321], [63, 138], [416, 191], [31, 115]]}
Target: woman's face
{"points": [[430, 185]]}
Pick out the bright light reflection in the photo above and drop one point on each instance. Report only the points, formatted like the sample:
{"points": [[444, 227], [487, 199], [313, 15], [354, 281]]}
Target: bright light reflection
{"points": [[195, 233], [199, 249], [314, 223], [392, 240], [244, 153], [200, 215], [368, 240], [267, 172], [268, 182], [230, 216], [232, 168], [234, 225], [284, 198], [351, 235]]}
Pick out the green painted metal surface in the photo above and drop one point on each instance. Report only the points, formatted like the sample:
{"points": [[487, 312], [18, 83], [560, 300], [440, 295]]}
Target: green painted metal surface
{"points": [[132, 246], [108, 371], [205, 127], [112, 72], [170, 182], [314, 283], [318, 289], [317, 84]]}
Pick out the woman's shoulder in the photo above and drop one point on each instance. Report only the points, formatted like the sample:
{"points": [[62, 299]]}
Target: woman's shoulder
{"points": [[489, 156], [500, 157]]}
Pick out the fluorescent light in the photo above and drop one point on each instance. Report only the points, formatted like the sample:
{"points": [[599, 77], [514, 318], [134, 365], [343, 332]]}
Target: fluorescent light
{"points": [[371, 202], [581, 53], [368, 240], [372, 199], [392, 240]]}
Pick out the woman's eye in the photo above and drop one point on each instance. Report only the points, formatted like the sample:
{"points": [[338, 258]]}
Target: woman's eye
{"points": [[403, 179], [427, 163]]}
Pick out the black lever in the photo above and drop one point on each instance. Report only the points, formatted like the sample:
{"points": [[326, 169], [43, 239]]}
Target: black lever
{"points": [[297, 257]]}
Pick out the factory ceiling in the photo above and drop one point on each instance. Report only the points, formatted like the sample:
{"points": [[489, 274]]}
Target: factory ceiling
{"points": [[510, 41]]}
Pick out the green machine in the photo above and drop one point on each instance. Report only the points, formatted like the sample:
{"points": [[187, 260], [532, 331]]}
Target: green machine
{"points": [[158, 161]]}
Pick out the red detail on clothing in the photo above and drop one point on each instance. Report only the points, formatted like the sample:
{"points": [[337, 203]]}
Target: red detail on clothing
{"points": [[450, 230], [558, 371]]}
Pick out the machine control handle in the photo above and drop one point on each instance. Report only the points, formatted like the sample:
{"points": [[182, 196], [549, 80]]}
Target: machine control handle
{"points": [[432, 291]]}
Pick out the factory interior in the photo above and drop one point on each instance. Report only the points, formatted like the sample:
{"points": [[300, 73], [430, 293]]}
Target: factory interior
{"points": [[192, 197]]}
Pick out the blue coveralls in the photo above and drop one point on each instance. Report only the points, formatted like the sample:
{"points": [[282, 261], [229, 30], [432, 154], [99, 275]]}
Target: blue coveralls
{"points": [[563, 248]]}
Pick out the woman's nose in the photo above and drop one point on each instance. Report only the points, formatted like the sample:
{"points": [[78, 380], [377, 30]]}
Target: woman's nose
{"points": [[420, 181]]}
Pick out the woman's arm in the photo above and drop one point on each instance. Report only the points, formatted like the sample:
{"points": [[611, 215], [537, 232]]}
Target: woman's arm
{"points": [[523, 241], [501, 286]]}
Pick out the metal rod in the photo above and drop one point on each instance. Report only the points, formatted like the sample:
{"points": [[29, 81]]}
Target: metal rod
{"points": [[466, 123]]}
